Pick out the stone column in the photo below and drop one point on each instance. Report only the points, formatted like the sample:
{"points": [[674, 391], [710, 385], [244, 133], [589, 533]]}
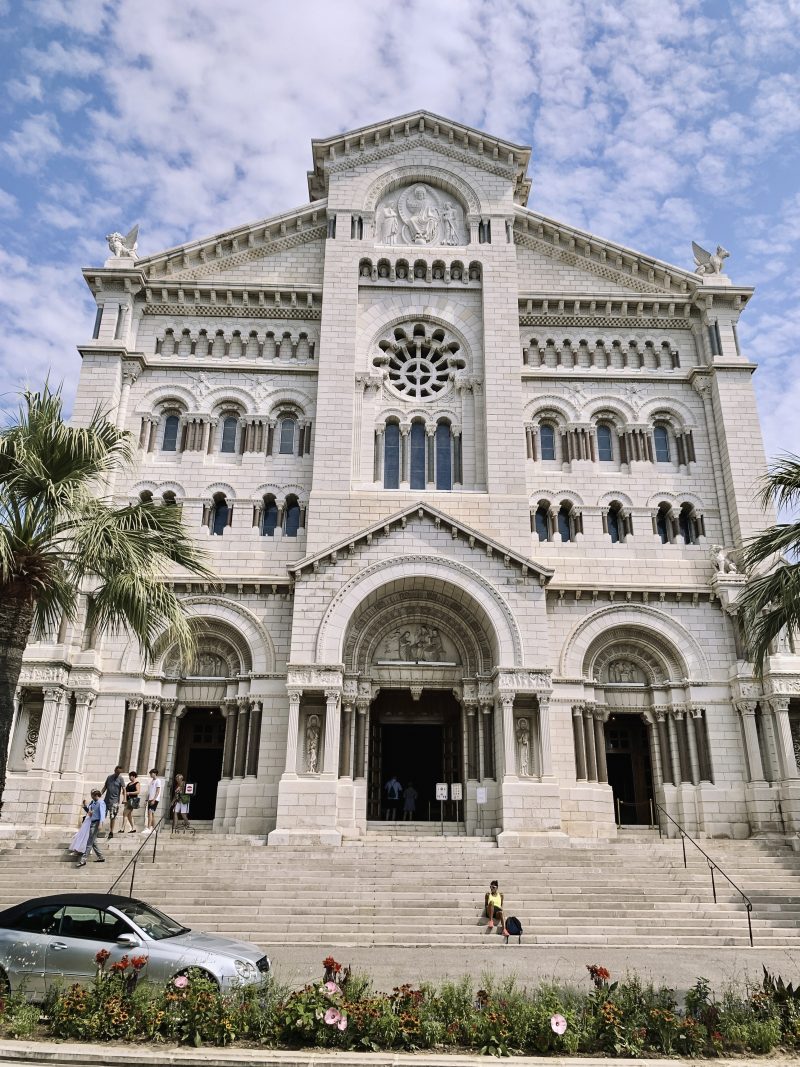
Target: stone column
{"points": [[684, 763], [580, 744], [673, 748], [164, 732], [254, 740], [242, 729], [345, 754], [332, 731], [152, 708], [134, 706], [231, 717], [780, 710], [471, 710], [701, 739], [84, 699], [545, 745], [489, 762], [747, 710], [52, 697], [509, 741], [600, 745], [691, 740], [362, 708], [430, 457], [588, 734], [667, 775], [404, 456]]}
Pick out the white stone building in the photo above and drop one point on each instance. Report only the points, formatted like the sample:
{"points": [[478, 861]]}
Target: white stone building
{"points": [[460, 469]]}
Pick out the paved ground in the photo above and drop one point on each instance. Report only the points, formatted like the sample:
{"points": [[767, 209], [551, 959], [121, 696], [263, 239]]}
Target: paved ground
{"points": [[34, 1054], [678, 968]]}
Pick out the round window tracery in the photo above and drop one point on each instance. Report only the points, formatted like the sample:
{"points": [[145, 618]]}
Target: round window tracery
{"points": [[418, 361]]}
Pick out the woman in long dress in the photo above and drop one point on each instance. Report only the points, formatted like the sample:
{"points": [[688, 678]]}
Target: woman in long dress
{"points": [[81, 838]]}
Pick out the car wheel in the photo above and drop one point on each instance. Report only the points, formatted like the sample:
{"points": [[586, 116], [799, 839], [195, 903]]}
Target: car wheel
{"points": [[196, 972]]}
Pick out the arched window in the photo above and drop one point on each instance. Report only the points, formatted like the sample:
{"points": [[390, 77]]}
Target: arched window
{"points": [[444, 463], [565, 523], [391, 456], [614, 524], [690, 524], [541, 522], [220, 514], [286, 446], [229, 427], [605, 447], [145, 497], [661, 442], [417, 464], [269, 516], [663, 523], [291, 517], [547, 441], [169, 442]]}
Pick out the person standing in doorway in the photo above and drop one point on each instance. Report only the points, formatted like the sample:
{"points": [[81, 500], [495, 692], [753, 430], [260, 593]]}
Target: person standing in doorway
{"points": [[96, 814], [393, 791], [409, 802], [155, 788], [112, 791], [133, 798], [180, 805]]}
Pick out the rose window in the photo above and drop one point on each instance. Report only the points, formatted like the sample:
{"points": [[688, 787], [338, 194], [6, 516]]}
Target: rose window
{"points": [[418, 362]]}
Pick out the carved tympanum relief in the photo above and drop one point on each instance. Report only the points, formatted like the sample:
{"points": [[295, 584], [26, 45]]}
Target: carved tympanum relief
{"points": [[206, 664], [420, 215], [622, 671], [423, 643]]}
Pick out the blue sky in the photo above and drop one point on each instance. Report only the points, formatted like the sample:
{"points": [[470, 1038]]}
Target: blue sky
{"points": [[653, 123]]}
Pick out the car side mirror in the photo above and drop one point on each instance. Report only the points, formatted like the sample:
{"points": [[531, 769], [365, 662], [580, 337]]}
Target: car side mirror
{"points": [[128, 940]]}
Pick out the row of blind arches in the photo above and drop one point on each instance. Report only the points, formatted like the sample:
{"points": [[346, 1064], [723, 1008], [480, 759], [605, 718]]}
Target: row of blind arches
{"points": [[686, 526]]}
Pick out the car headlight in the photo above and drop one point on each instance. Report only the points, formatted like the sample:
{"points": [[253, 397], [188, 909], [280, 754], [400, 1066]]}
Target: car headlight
{"points": [[245, 969]]}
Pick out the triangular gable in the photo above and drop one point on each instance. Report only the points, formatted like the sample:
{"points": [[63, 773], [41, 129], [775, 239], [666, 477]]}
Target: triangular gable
{"points": [[393, 136], [385, 527]]}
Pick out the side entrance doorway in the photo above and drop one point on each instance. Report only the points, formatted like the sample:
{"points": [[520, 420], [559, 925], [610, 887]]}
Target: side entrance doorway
{"points": [[419, 742], [630, 772], [198, 757]]}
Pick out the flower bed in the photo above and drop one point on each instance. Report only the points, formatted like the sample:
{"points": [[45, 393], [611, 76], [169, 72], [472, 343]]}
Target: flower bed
{"points": [[624, 1018]]}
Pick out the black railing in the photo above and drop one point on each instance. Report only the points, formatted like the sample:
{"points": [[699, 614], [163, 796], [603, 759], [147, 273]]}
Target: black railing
{"points": [[135, 857], [712, 867]]}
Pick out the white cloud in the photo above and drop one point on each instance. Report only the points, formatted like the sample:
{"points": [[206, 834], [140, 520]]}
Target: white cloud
{"points": [[8, 203], [25, 89], [71, 100], [32, 143]]}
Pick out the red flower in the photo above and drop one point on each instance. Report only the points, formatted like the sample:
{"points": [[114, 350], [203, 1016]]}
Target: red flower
{"points": [[597, 973], [101, 957], [138, 962]]}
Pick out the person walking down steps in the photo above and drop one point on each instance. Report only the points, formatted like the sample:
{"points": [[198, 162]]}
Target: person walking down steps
{"points": [[96, 812], [180, 805]]}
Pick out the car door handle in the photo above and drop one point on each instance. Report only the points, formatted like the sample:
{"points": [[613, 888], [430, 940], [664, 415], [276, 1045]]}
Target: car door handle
{"points": [[58, 946]]}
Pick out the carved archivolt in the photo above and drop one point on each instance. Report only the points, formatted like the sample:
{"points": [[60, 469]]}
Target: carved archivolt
{"points": [[441, 179], [498, 620]]}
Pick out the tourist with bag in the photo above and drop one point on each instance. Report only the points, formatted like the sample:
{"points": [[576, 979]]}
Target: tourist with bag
{"points": [[180, 805], [133, 799]]}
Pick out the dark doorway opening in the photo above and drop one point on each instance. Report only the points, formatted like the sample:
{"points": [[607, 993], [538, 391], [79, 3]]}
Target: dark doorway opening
{"points": [[198, 757], [629, 769], [420, 742]]}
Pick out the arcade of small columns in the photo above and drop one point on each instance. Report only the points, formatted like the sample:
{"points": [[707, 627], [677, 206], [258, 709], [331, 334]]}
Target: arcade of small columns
{"points": [[773, 712], [346, 722]]}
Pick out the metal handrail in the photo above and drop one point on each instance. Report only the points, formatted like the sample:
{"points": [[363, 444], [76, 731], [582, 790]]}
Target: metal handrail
{"points": [[712, 866], [135, 857]]}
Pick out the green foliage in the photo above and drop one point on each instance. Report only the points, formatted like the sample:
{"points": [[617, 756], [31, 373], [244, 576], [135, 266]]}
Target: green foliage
{"points": [[18, 1017], [625, 1018]]}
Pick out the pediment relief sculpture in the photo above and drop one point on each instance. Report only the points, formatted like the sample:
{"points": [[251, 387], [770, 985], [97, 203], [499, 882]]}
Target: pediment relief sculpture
{"points": [[420, 215], [625, 672]]}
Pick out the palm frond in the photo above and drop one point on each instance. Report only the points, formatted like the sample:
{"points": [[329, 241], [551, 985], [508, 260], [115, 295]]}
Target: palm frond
{"points": [[775, 541], [767, 605], [781, 484], [143, 606]]}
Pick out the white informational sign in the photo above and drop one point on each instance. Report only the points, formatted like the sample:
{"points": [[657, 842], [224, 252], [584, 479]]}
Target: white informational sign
{"points": [[441, 790], [455, 791], [189, 788], [480, 794]]}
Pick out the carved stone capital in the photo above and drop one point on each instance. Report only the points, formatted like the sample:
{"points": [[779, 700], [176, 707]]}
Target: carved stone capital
{"points": [[85, 696], [779, 703], [53, 693], [746, 707]]}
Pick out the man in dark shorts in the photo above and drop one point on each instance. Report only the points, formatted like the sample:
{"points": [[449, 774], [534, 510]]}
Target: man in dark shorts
{"points": [[393, 791], [112, 790], [154, 790]]}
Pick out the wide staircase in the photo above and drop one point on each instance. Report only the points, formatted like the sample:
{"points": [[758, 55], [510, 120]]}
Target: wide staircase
{"points": [[403, 886]]}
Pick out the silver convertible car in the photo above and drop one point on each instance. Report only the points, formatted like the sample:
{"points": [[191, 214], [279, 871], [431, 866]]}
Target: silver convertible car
{"points": [[55, 939]]}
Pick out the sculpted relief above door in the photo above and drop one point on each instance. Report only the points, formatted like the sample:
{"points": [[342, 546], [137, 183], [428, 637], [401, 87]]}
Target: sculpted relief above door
{"points": [[420, 215]]}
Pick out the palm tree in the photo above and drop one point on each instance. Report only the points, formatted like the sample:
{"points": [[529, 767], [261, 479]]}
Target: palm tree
{"points": [[58, 536], [770, 602]]}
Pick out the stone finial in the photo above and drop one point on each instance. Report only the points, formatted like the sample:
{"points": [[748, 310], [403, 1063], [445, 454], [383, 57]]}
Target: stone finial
{"points": [[708, 263], [124, 247]]}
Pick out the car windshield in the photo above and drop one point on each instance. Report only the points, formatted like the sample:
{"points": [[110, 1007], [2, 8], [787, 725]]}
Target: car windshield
{"points": [[154, 923]]}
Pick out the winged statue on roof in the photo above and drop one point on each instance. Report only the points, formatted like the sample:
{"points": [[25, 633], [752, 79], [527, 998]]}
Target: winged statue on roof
{"points": [[124, 246], [708, 262]]}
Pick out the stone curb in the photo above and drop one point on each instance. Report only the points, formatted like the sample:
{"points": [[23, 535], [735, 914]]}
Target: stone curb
{"points": [[71, 1054]]}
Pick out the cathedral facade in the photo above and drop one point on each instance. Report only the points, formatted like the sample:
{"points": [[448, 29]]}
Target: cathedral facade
{"points": [[474, 483]]}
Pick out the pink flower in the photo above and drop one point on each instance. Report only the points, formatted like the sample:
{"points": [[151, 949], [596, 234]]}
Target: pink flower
{"points": [[558, 1024], [181, 981], [332, 1017], [342, 1023], [331, 988]]}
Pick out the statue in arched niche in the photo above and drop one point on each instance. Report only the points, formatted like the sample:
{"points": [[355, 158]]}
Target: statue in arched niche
{"points": [[312, 744], [523, 747]]}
